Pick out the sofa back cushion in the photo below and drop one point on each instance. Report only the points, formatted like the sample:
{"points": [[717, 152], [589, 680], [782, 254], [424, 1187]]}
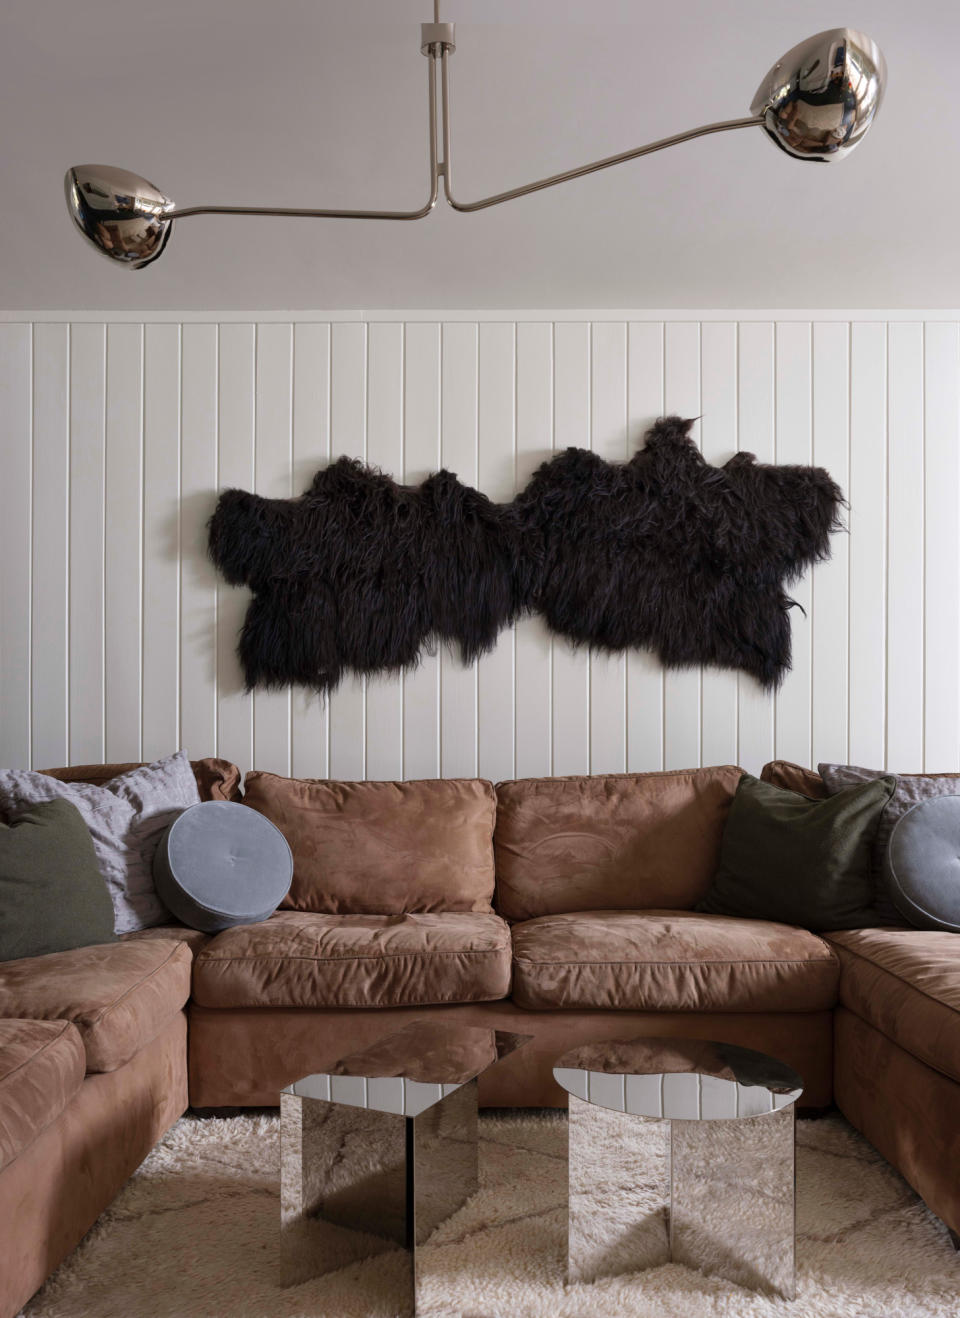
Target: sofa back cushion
{"points": [[639, 841], [217, 780], [794, 778], [382, 848]]}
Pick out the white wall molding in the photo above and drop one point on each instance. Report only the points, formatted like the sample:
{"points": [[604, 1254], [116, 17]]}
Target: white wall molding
{"points": [[402, 316], [116, 637]]}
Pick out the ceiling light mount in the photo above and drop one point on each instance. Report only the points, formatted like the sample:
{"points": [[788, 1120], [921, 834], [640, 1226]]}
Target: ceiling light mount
{"points": [[816, 103]]}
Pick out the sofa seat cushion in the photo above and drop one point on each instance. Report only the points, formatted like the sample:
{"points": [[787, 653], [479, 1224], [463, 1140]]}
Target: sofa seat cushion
{"points": [[41, 1068], [670, 961], [307, 959], [119, 995], [906, 984]]}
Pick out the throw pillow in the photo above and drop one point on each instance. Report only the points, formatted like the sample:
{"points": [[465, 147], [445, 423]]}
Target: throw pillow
{"points": [[911, 789], [921, 864], [52, 894], [382, 848], [126, 818], [785, 857]]}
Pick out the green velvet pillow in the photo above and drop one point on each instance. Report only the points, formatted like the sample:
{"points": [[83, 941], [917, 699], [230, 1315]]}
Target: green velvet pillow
{"points": [[52, 894], [785, 857]]}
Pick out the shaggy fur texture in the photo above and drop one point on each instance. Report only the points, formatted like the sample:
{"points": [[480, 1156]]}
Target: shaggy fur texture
{"points": [[359, 573], [671, 554], [664, 552], [196, 1234]]}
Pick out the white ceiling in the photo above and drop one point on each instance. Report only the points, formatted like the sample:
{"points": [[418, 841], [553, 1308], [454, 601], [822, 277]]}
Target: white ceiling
{"points": [[323, 103]]}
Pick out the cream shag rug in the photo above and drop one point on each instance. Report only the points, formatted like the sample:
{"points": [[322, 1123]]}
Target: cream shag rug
{"points": [[195, 1235]]}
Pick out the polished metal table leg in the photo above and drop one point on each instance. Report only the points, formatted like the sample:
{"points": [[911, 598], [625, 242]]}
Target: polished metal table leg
{"points": [[716, 1195], [733, 1199], [358, 1181]]}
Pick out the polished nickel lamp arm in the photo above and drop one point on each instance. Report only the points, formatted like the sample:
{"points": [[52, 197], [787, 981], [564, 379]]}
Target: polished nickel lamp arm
{"points": [[816, 103], [751, 121], [182, 213]]}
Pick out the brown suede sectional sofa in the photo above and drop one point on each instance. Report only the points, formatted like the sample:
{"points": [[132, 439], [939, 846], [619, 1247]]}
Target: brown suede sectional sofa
{"points": [[561, 908]]}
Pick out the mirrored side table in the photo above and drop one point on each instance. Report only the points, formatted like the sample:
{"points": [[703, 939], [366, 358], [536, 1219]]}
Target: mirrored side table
{"points": [[379, 1151], [698, 1138]]}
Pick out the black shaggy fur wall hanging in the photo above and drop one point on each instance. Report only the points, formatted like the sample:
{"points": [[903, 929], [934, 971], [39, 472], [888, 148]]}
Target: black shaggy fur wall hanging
{"points": [[360, 573], [665, 552]]}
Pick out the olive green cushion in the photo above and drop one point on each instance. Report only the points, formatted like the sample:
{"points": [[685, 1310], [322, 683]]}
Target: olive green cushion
{"points": [[52, 894], [785, 857]]}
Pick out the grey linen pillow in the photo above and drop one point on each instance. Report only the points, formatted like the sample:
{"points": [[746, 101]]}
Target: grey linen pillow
{"points": [[911, 789], [126, 818]]}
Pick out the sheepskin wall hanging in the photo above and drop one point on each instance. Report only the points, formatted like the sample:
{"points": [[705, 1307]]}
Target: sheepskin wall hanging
{"points": [[664, 552]]}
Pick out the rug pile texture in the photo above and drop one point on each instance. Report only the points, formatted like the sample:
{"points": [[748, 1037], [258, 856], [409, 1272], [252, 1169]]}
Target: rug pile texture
{"points": [[195, 1235]]}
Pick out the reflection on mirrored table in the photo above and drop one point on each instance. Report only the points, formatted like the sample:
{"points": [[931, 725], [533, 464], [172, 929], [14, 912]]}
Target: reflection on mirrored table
{"points": [[681, 1150], [381, 1150]]}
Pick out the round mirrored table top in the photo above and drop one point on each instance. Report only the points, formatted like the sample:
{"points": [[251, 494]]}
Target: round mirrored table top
{"points": [[682, 1079]]}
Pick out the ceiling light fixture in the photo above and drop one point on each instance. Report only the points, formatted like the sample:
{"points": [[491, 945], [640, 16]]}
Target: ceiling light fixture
{"points": [[816, 103]]}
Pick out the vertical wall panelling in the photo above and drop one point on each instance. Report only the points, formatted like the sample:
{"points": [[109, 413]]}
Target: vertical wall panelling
{"points": [[117, 637], [608, 437], [794, 397], [49, 647], [681, 389], [571, 666], [867, 519], [384, 711], [458, 451], [905, 573], [755, 434], [16, 374], [644, 671], [198, 582], [718, 442], [88, 358], [534, 404], [273, 477], [348, 435], [830, 582], [161, 533], [236, 389], [311, 450], [421, 453], [496, 455], [941, 686], [123, 549]]}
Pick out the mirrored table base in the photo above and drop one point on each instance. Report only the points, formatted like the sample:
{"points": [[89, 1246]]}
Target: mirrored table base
{"points": [[357, 1182], [715, 1195]]}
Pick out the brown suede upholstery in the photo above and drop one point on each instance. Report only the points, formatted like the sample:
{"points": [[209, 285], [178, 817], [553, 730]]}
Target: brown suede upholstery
{"points": [[670, 961], [794, 778], [907, 1110], [193, 938], [119, 995], [217, 780], [54, 1192], [383, 848], [302, 959], [245, 1057], [42, 1066], [906, 984], [635, 842]]}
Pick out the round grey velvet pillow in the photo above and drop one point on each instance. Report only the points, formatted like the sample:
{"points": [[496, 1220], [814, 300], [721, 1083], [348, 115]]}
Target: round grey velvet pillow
{"points": [[220, 864], [922, 865]]}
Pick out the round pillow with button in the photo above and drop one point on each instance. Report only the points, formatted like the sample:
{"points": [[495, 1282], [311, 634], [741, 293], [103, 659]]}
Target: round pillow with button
{"points": [[221, 864], [922, 865]]}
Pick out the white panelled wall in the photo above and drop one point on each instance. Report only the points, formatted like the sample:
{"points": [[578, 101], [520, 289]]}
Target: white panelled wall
{"points": [[116, 638]]}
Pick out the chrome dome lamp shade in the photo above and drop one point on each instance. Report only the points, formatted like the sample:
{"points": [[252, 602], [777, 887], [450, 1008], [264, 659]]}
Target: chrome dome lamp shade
{"points": [[818, 101], [122, 215]]}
